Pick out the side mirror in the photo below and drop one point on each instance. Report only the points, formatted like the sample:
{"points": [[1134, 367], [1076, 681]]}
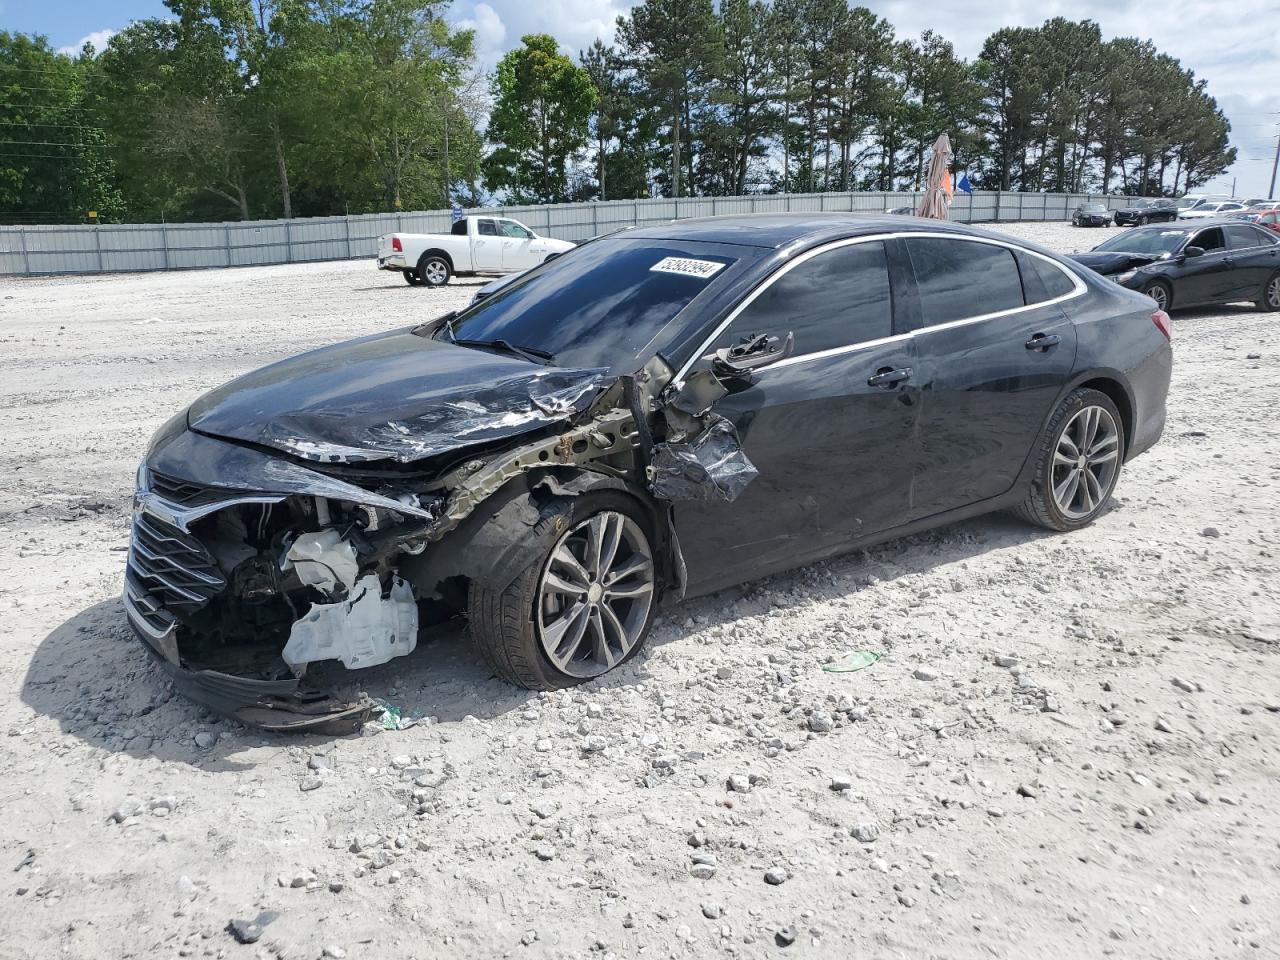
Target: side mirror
{"points": [[1193, 252], [750, 354]]}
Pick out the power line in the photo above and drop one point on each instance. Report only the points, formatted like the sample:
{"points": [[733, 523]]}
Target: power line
{"points": [[52, 143], [67, 126]]}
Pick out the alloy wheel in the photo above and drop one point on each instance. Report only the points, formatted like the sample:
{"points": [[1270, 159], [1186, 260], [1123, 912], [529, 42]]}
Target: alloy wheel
{"points": [[594, 595], [1158, 293], [435, 272], [1273, 293], [1085, 462]]}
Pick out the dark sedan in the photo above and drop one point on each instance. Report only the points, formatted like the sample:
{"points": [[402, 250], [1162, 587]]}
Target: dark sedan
{"points": [[1214, 261], [661, 414], [1141, 212], [1091, 215]]}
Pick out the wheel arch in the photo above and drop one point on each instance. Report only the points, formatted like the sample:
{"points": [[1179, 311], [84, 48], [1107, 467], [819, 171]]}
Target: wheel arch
{"points": [[1116, 386], [490, 547], [438, 252]]}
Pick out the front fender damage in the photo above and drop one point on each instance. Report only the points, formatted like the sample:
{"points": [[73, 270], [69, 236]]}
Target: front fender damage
{"points": [[338, 562]]}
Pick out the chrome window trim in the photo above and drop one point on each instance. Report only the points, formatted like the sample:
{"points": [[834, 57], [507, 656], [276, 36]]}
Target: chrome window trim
{"points": [[1078, 288]]}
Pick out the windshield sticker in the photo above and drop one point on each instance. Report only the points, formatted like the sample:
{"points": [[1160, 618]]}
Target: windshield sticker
{"points": [[702, 269]]}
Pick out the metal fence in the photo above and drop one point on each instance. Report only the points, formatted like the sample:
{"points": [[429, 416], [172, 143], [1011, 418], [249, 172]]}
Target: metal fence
{"points": [[114, 248]]}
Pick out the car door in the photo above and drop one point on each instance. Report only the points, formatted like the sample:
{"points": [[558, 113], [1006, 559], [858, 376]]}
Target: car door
{"points": [[831, 429], [486, 247], [518, 246], [996, 350], [1254, 258], [1203, 279]]}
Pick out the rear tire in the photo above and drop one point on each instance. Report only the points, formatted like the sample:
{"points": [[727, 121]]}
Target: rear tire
{"points": [[526, 632], [1078, 460], [434, 270], [1269, 298]]}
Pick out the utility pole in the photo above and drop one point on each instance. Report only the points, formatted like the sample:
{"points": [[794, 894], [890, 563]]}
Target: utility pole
{"points": [[1274, 164]]}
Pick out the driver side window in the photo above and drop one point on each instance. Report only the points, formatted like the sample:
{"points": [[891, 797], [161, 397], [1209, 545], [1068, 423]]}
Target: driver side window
{"points": [[1208, 240], [512, 229], [838, 298]]}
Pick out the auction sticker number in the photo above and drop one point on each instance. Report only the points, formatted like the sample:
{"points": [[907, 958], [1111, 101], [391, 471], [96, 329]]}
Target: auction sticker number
{"points": [[687, 267]]}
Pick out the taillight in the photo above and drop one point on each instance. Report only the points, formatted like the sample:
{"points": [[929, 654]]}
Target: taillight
{"points": [[395, 245], [1163, 323]]}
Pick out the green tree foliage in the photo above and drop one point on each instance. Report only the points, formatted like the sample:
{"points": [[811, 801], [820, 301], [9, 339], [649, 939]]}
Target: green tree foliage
{"points": [[53, 156], [543, 102], [261, 108]]}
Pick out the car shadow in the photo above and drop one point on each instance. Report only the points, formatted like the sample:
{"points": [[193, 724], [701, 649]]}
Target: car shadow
{"points": [[94, 678]]}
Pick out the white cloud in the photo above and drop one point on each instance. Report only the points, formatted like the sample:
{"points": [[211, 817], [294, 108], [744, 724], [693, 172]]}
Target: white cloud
{"points": [[98, 38], [491, 32], [574, 23]]}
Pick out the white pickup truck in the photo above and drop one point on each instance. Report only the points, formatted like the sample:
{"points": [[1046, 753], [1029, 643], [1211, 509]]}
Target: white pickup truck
{"points": [[475, 245]]}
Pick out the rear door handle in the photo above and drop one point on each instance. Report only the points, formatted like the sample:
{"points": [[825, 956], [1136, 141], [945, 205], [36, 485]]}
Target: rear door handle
{"points": [[1228, 262], [888, 377], [1043, 342]]}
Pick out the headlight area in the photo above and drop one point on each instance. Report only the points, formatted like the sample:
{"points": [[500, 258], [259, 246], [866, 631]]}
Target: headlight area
{"points": [[1123, 278], [238, 594]]}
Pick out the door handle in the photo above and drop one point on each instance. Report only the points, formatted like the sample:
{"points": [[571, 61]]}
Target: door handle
{"points": [[1043, 343], [1228, 262], [888, 377]]}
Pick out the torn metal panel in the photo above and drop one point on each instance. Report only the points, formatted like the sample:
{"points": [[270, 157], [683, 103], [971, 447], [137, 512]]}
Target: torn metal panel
{"points": [[362, 632], [711, 466], [219, 464]]}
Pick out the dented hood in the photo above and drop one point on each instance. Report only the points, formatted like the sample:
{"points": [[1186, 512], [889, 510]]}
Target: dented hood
{"points": [[394, 396], [1107, 262]]}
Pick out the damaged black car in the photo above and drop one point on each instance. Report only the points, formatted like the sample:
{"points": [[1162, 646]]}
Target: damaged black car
{"points": [[668, 412]]}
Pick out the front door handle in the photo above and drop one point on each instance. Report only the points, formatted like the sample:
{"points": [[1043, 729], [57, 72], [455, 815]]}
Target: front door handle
{"points": [[1043, 343], [889, 377], [1228, 262]]}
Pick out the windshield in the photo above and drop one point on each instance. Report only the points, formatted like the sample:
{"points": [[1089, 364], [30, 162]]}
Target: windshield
{"points": [[601, 304], [1094, 208], [1154, 242]]}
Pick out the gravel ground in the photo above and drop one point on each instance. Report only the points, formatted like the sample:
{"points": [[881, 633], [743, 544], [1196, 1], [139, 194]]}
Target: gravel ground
{"points": [[1069, 748]]}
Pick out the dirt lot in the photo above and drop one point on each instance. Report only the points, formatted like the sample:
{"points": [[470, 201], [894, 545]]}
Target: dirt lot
{"points": [[1092, 771]]}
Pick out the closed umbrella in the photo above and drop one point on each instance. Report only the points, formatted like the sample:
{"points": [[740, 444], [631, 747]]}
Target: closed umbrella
{"points": [[937, 187]]}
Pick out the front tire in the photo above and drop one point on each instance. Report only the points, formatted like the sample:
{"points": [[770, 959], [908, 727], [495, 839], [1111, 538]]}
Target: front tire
{"points": [[582, 607], [434, 270], [1159, 291], [1269, 298], [1078, 459]]}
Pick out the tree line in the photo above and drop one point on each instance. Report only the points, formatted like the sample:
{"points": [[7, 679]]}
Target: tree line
{"points": [[265, 108]]}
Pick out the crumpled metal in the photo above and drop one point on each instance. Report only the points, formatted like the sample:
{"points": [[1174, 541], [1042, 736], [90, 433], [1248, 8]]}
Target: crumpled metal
{"points": [[496, 413], [711, 466]]}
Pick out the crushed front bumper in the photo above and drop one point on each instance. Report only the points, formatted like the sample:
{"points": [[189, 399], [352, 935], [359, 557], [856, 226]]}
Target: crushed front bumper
{"points": [[280, 705]]}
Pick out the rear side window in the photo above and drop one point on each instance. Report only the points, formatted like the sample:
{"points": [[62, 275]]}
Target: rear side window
{"points": [[1056, 283], [836, 299], [459, 228], [957, 279], [487, 228], [1241, 235]]}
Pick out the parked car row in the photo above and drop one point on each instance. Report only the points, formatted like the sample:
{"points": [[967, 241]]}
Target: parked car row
{"points": [[1141, 212]]}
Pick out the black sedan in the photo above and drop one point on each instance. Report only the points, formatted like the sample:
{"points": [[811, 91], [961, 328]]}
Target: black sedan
{"points": [[1210, 261], [662, 414], [1141, 212], [1091, 215]]}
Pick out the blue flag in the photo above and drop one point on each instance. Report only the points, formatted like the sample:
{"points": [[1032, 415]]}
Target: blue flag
{"points": [[964, 184], [457, 212]]}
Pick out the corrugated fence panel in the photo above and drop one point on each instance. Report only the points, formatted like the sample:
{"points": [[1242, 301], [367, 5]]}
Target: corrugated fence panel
{"points": [[38, 250]]}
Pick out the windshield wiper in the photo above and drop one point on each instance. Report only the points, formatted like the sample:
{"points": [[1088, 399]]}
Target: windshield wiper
{"points": [[532, 354]]}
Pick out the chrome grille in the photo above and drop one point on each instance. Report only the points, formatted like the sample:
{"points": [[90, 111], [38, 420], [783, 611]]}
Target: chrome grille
{"points": [[170, 569]]}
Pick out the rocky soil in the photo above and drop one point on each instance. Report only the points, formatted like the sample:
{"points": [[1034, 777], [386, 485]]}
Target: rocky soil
{"points": [[1068, 749]]}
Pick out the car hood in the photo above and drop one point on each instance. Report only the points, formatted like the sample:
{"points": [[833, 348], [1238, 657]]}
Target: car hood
{"points": [[394, 396], [1109, 262]]}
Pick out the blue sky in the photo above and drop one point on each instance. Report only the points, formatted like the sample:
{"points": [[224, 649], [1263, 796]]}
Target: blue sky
{"points": [[1235, 51]]}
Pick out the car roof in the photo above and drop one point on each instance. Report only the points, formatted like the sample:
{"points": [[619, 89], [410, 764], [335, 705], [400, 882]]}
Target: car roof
{"points": [[773, 230]]}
